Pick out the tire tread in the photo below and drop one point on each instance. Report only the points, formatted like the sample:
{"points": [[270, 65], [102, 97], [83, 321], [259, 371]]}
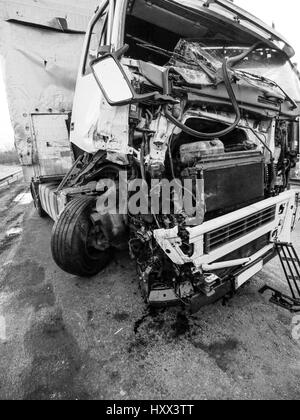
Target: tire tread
{"points": [[64, 242]]}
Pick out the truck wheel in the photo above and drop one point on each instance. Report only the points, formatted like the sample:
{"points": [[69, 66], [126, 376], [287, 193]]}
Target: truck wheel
{"points": [[72, 240], [37, 202]]}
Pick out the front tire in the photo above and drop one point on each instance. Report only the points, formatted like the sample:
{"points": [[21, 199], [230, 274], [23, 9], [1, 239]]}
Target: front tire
{"points": [[71, 246]]}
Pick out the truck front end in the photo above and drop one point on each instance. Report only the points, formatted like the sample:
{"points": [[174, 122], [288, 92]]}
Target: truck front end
{"points": [[202, 115]]}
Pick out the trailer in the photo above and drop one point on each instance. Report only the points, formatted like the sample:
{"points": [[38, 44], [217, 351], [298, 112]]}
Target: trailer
{"points": [[178, 142], [41, 44]]}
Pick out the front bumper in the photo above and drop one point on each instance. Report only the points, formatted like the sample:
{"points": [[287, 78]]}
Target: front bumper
{"points": [[215, 239], [168, 297]]}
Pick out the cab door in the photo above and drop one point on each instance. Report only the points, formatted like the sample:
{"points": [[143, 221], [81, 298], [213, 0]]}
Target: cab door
{"points": [[88, 96]]}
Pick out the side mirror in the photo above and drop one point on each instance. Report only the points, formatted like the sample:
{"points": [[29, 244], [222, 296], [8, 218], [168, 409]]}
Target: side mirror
{"points": [[116, 86], [112, 80]]}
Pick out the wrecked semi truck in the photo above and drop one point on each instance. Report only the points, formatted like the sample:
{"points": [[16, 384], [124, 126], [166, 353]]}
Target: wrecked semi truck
{"points": [[184, 131]]}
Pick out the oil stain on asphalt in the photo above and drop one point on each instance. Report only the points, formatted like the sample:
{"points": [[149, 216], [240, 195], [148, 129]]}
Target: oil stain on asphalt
{"points": [[222, 352]]}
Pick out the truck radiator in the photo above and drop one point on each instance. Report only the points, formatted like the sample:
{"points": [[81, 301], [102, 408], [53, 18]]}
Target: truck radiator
{"points": [[233, 231]]}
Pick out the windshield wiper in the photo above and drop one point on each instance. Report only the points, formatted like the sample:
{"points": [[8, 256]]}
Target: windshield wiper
{"points": [[233, 61], [271, 82], [238, 58]]}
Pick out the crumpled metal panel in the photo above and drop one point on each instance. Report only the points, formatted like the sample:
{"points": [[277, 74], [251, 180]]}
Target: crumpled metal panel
{"points": [[193, 77], [194, 54], [194, 64], [112, 132]]}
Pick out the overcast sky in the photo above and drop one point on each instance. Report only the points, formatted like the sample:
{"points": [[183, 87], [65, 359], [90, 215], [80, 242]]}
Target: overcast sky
{"points": [[285, 14], [6, 132]]}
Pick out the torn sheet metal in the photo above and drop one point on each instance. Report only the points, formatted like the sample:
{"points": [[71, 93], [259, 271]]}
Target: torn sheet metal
{"points": [[98, 126], [193, 77], [112, 132]]}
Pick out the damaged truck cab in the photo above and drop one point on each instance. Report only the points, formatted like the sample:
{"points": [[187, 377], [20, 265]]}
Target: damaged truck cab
{"points": [[201, 97]]}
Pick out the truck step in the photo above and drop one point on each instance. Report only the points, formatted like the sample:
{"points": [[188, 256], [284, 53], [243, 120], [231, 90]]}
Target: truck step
{"points": [[287, 259], [290, 263]]}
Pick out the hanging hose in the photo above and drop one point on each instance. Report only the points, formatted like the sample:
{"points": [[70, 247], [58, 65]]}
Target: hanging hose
{"points": [[142, 158], [211, 136]]}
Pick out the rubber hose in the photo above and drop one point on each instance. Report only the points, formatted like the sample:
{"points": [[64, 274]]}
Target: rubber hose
{"points": [[211, 136]]}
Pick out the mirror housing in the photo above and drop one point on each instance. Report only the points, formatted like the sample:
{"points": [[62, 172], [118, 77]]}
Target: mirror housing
{"points": [[115, 85]]}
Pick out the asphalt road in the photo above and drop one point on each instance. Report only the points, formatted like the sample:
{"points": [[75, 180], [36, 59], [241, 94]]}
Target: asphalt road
{"points": [[62, 337]]}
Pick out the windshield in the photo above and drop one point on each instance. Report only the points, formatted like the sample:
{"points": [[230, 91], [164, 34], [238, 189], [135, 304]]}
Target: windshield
{"points": [[163, 23], [236, 17], [156, 30]]}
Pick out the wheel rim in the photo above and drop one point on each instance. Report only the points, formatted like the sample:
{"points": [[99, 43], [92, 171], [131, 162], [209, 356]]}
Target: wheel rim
{"points": [[93, 242]]}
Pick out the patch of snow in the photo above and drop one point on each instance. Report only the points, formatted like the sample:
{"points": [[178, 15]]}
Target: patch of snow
{"points": [[14, 232], [2, 328], [23, 199]]}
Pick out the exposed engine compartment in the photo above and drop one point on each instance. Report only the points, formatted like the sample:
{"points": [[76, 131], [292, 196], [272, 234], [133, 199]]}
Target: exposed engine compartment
{"points": [[245, 165]]}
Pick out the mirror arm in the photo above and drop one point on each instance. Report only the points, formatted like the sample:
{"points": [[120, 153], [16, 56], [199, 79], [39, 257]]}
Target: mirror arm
{"points": [[156, 96], [119, 53], [144, 97]]}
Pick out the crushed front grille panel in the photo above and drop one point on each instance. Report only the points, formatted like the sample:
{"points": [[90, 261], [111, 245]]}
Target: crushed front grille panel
{"points": [[233, 231]]}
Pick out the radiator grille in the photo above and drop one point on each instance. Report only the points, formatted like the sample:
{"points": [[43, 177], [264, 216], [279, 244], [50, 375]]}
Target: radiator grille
{"points": [[229, 233]]}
